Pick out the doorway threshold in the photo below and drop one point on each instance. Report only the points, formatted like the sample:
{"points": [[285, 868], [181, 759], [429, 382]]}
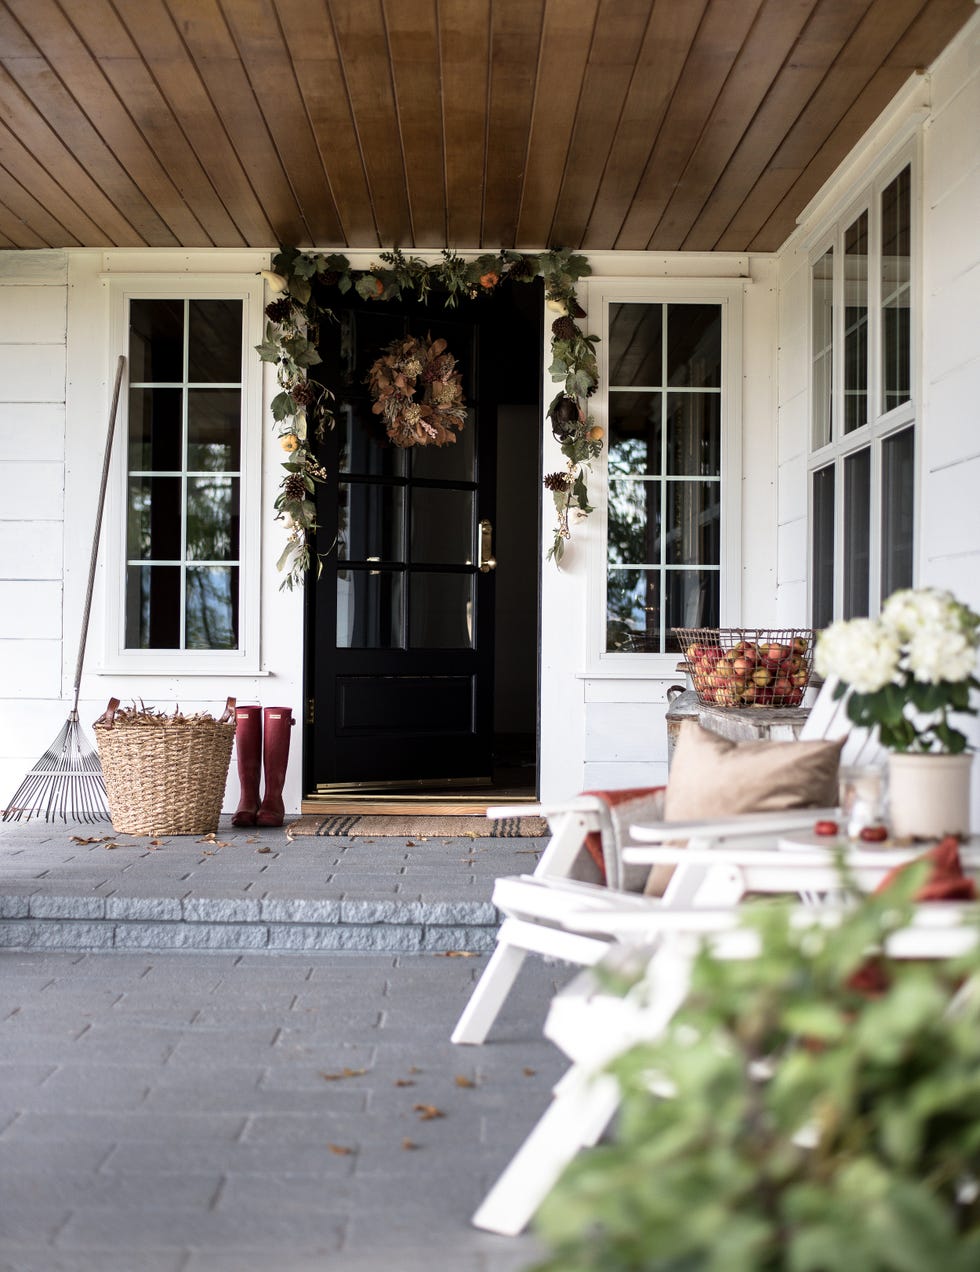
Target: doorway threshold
{"points": [[436, 803]]}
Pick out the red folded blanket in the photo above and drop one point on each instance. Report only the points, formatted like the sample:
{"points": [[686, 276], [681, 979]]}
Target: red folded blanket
{"points": [[593, 841]]}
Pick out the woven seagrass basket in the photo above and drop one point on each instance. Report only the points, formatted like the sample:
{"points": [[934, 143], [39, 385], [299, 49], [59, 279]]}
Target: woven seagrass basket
{"points": [[164, 775]]}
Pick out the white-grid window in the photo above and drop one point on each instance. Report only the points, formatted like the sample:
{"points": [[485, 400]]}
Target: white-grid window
{"points": [[863, 284], [669, 379], [188, 461]]}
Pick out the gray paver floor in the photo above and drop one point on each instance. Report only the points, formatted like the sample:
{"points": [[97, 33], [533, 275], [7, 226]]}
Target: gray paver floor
{"points": [[193, 1112], [168, 1112]]}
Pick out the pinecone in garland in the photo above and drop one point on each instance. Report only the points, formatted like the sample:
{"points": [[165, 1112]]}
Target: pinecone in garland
{"points": [[294, 487], [557, 482], [303, 393], [564, 328], [279, 310], [523, 270], [329, 277]]}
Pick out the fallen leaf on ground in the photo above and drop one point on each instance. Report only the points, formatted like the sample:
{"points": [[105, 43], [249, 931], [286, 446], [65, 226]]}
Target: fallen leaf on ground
{"points": [[341, 1150], [534, 852], [91, 839], [467, 861], [471, 834], [427, 1112], [462, 1081], [206, 852], [157, 842], [209, 838], [528, 1071], [409, 844], [409, 1144], [414, 1069], [110, 845], [458, 954], [404, 1082], [344, 1073], [263, 850]]}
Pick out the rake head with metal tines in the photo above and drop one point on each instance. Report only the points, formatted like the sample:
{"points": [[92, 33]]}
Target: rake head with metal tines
{"points": [[66, 782]]}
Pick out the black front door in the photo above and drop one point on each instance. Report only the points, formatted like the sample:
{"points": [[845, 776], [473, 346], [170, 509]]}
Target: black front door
{"points": [[401, 619]]}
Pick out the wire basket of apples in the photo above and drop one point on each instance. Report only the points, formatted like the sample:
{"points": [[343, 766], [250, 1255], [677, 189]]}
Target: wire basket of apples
{"points": [[748, 667]]}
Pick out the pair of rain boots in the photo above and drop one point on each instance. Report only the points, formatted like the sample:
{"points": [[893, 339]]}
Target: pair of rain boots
{"points": [[250, 724]]}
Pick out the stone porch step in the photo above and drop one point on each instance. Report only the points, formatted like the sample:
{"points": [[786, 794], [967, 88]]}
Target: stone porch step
{"points": [[84, 923], [75, 888]]}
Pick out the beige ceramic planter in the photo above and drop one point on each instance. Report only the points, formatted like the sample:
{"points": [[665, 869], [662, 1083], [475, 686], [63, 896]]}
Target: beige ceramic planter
{"points": [[929, 795]]}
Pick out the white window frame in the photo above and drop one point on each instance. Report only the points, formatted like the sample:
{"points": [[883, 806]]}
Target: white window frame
{"points": [[246, 659], [881, 425], [728, 294]]}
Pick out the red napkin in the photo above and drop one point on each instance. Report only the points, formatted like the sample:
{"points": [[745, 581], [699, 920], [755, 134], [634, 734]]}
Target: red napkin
{"points": [[593, 840], [947, 881]]}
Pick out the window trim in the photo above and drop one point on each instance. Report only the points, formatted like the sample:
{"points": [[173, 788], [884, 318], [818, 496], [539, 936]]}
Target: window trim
{"points": [[246, 660], [881, 425], [728, 293]]}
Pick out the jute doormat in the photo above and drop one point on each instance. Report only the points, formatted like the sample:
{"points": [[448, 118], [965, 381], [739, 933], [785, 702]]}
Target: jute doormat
{"points": [[350, 824]]}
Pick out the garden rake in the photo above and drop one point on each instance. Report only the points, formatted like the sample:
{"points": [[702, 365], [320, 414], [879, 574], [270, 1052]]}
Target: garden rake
{"points": [[67, 779]]}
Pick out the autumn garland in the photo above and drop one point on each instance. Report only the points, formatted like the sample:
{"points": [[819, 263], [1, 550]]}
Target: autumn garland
{"points": [[302, 409]]}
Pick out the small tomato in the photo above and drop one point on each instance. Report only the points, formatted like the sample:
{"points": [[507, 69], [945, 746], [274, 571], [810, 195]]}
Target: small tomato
{"points": [[825, 828]]}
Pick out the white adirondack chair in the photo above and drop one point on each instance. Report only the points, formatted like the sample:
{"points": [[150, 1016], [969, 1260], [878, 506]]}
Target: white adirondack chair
{"points": [[592, 1026], [533, 905]]}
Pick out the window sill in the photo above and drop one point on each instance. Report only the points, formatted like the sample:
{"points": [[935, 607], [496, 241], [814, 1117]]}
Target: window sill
{"points": [[172, 670]]}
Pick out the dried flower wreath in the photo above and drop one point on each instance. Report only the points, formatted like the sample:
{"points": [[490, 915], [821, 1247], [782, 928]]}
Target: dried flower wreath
{"points": [[393, 379]]}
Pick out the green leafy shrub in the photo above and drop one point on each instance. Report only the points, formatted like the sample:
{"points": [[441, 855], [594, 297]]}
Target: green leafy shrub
{"points": [[826, 1116]]}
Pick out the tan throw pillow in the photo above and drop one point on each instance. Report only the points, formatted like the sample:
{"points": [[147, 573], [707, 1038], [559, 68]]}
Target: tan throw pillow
{"points": [[711, 776]]}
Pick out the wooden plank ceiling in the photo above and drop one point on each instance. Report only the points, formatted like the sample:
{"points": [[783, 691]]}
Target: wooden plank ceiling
{"points": [[636, 124]]}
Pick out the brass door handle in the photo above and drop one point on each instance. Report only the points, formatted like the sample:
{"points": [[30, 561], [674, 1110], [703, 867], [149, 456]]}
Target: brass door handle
{"points": [[487, 560]]}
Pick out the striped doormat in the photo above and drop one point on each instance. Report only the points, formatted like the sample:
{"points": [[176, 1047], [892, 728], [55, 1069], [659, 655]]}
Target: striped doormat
{"points": [[354, 824]]}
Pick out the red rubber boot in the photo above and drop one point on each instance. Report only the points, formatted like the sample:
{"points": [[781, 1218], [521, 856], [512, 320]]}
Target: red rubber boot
{"points": [[278, 722], [248, 750]]}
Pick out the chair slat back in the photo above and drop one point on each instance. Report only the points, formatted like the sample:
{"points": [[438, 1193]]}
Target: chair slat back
{"points": [[828, 720]]}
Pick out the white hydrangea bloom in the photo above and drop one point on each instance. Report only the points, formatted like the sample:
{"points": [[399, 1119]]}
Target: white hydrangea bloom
{"points": [[909, 610], [936, 656], [863, 653]]}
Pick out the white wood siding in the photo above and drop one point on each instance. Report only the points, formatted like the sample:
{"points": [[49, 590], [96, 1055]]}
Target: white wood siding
{"points": [[33, 310]]}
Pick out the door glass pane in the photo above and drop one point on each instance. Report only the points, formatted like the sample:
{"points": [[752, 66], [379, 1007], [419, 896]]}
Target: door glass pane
{"points": [[370, 522], [153, 607], [362, 444], [214, 430], [440, 611], [214, 346], [634, 434], [156, 341], [694, 345], [857, 534], [634, 522], [896, 290], [823, 546], [633, 611], [154, 519], [442, 526], [897, 503], [693, 523], [635, 344], [155, 430], [692, 600], [454, 462], [369, 609], [856, 324], [212, 519], [212, 607], [694, 434], [821, 352]]}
